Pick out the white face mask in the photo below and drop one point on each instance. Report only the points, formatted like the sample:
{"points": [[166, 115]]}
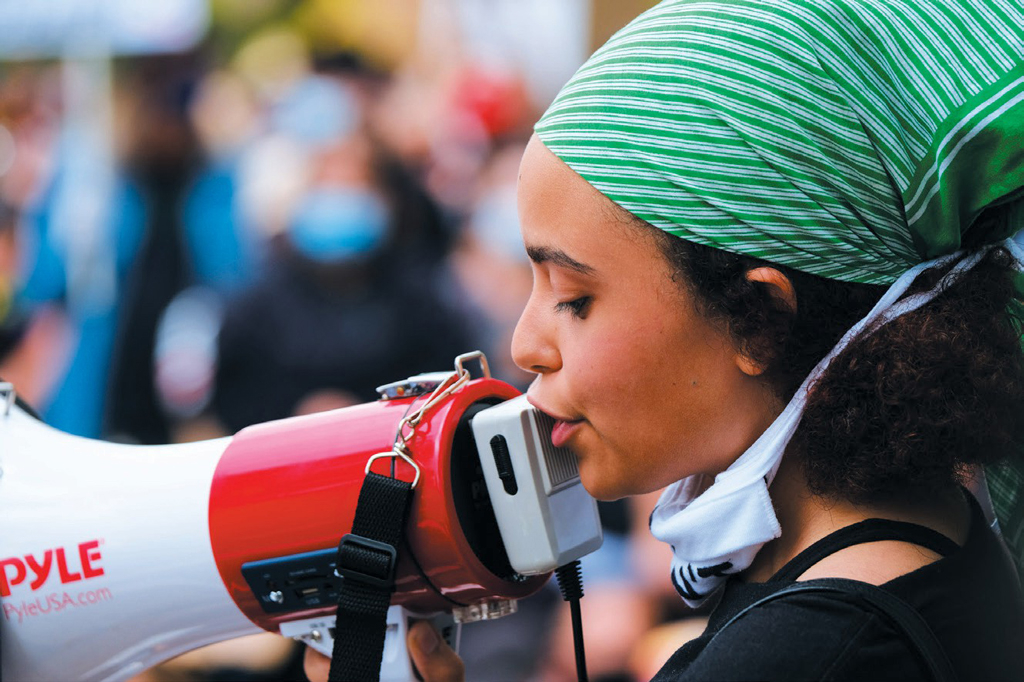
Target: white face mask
{"points": [[717, 531]]}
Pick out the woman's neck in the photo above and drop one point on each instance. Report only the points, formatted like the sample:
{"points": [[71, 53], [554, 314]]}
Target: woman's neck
{"points": [[806, 518]]}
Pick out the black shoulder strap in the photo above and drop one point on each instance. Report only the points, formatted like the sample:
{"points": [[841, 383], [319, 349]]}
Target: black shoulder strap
{"points": [[901, 615], [366, 561], [869, 530]]}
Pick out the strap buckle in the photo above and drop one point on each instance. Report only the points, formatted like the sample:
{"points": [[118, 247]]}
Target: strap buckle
{"points": [[400, 454], [353, 567]]}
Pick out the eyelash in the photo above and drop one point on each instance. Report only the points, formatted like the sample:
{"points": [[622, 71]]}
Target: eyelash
{"points": [[576, 307]]}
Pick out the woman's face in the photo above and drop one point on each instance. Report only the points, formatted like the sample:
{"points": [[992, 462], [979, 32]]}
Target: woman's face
{"points": [[645, 390]]}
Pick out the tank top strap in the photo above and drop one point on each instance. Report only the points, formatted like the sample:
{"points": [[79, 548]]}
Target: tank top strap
{"points": [[870, 530]]}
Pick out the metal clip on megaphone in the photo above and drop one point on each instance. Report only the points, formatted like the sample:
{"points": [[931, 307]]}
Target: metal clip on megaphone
{"points": [[114, 558]]}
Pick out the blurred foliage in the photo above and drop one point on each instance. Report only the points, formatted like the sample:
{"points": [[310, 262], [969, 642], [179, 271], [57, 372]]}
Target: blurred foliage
{"points": [[234, 21], [382, 31]]}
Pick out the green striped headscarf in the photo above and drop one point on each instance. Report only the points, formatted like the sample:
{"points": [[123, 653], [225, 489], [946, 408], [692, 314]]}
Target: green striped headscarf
{"points": [[851, 139]]}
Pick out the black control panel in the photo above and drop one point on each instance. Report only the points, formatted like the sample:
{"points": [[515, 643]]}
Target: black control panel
{"points": [[296, 582]]}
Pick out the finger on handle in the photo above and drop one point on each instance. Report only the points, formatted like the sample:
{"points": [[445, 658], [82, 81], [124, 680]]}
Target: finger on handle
{"points": [[433, 658]]}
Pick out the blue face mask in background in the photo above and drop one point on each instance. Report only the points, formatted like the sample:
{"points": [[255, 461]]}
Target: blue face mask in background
{"points": [[339, 225]]}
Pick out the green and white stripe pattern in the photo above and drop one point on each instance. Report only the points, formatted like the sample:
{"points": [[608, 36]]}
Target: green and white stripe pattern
{"points": [[851, 139]]}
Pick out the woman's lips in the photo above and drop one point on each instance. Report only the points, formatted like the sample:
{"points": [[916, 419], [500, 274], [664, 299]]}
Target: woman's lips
{"points": [[564, 428], [563, 431]]}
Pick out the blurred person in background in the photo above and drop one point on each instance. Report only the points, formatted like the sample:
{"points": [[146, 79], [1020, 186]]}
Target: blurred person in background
{"points": [[255, 139], [424, 233], [264, 132], [77, 248], [161, 154], [34, 344], [333, 315], [101, 242], [223, 248]]}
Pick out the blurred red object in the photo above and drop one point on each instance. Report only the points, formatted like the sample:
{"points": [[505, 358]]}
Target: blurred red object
{"points": [[499, 101]]}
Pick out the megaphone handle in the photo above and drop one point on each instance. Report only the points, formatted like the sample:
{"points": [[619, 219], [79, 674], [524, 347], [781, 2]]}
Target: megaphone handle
{"points": [[395, 665]]}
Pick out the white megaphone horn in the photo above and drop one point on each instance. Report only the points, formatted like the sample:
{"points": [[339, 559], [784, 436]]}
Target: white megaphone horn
{"points": [[114, 558]]}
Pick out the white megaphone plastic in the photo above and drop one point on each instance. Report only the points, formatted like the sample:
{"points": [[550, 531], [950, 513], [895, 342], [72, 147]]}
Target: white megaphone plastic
{"points": [[114, 558], [107, 566]]}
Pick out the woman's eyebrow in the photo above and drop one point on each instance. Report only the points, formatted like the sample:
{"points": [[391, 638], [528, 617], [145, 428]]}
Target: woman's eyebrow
{"points": [[542, 254]]}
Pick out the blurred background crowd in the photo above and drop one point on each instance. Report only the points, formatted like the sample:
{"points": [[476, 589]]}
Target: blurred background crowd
{"points": [[215, 213]]}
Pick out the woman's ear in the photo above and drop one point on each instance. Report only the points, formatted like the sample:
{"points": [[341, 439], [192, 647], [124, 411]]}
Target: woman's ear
{"points": [[749, 366], [780, 288], [778, 285]]}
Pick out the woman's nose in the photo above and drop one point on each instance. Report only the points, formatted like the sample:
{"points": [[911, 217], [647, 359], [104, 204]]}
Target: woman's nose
{"points": [[533, 347]]}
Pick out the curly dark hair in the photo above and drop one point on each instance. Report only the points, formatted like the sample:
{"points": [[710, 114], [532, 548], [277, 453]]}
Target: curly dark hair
{"points": [[901, 413]]}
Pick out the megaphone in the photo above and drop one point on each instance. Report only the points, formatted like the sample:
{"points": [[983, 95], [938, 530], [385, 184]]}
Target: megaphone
{"points": [[114, 558]]}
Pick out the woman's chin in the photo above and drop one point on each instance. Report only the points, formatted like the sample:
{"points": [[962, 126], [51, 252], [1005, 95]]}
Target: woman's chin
{"points": [[599, 487]]}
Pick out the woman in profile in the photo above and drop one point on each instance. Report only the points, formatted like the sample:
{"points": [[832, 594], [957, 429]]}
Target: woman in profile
{"points": [[770, 274]]}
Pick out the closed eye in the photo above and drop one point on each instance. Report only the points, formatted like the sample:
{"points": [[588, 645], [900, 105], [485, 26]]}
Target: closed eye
{"points": [[576, 307]]}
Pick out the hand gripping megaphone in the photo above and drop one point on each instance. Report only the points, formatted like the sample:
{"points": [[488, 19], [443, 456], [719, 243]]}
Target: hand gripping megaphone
{"points": [[114, 558]]}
